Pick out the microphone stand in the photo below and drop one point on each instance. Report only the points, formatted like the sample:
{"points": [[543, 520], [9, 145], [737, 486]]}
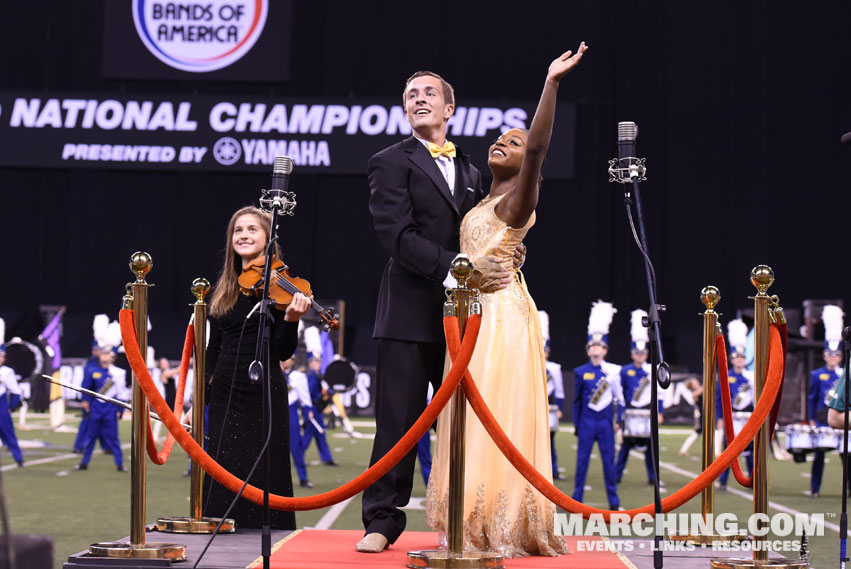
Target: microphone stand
{"points": [[280, 202], [628, 174], [843, 517]]}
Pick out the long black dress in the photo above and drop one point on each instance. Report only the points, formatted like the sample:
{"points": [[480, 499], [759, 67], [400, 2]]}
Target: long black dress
{"points": [[243, 434]]}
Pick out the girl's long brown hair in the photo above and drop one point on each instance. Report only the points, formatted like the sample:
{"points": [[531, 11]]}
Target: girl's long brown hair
{"points": [[226, 289]]}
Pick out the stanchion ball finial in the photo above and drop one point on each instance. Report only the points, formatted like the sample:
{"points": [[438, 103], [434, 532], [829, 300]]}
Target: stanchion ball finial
{"points": [[200, 288], [461, 269], [762, 277], [141, 264], [710, 297]]}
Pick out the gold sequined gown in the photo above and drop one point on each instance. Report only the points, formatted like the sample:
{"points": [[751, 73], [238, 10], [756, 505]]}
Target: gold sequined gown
{"points": [[502, 511]]}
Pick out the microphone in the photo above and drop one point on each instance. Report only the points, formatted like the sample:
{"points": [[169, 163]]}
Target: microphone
{"points": [[281, 170], [627, 133], [846, 139], [627, 168], [277, 197]]}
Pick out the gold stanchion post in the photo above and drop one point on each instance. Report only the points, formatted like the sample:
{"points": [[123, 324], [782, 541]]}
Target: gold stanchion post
{"points": [[140, 264], [462, 302], [762, 277], [196, 522], [710, 296]]}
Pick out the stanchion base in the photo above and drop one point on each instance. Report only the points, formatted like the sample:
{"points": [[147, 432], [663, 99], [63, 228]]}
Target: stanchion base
{"points": [[750, 563], [441, 559], [703, 539], [126, 550], [194, 525]]}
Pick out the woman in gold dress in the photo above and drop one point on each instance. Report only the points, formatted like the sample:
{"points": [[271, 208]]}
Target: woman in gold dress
{"points": [[502, 511]]}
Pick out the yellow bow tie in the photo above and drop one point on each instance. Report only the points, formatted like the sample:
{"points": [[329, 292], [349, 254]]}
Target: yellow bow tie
{"points": [[448, 149]]}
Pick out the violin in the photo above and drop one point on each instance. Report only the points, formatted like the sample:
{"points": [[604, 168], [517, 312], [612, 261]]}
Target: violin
{"points": [[284, 287]]}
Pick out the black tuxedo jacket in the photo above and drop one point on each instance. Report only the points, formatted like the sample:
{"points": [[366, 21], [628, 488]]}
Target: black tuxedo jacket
{"points": [[418, 221]]}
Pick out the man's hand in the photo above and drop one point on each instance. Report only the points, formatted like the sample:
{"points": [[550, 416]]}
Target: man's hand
{"points": [[489, 274], [519, 255], [85, 405]]}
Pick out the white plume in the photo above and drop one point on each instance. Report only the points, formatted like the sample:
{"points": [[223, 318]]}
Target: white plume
{"points": [[737, 333], [312, 343], [832, 315], [545, 324], [99, 328], [2, 331], [112, 337], [637, 330], [601, 317]]}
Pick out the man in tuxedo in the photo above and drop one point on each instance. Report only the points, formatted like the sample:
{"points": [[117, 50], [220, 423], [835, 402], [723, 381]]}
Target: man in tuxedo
{"points": [[420, 189]]}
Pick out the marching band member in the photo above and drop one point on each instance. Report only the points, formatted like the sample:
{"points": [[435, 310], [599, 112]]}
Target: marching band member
{"points": [[598, 398], [555, 392], [299, 399], [106, 379], [318, 394], [823, 382], [635, 379], [10, 400], [741, 383], [99, 327]]}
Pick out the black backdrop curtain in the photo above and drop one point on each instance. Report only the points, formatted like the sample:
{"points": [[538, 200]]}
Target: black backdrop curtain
{"points": [[740, 107]]}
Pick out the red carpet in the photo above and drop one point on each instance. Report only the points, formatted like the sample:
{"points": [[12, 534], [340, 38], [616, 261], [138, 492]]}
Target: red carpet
{"points": [[335, 549]]}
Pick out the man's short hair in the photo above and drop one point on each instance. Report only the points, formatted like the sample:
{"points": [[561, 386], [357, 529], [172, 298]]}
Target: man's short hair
{"points": [[448, 91]]}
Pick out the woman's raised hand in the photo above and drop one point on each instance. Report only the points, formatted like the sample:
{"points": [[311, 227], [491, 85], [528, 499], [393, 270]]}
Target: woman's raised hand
{"points": [[565, 62]]}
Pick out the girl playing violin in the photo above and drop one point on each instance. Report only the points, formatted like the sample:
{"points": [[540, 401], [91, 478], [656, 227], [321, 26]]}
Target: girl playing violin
{"points": [[236, 433]]}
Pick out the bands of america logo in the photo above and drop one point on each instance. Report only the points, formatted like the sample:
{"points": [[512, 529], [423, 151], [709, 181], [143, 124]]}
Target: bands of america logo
{"points": [[199, 36]]}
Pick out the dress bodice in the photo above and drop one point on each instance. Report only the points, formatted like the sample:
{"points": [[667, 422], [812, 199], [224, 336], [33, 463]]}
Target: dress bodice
{"points": [[483, 233]]}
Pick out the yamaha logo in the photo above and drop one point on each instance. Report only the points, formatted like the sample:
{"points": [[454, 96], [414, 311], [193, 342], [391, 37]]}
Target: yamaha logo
{"points": [[199, 36]]}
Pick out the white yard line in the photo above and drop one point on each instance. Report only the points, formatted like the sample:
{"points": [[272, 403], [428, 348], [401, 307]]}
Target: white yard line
{"points": [[736, 491], [326, 521], [50, 459]]}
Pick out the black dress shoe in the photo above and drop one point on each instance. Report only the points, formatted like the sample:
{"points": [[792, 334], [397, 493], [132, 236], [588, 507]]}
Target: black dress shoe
{"points": [[81, 466], [330, 463], [20, 464], [306, 484], [121, 468], [559, 476]]}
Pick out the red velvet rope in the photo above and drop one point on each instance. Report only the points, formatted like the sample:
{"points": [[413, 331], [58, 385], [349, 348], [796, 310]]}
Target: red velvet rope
{"points": [[675, 500], [727, 406], [161, 457], [277, 502]]}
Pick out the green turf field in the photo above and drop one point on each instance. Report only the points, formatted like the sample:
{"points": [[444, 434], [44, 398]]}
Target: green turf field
{"points": [[77, 508]]}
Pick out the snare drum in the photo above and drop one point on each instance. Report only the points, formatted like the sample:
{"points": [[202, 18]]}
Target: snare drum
{"points": [[799, 438], [636, 425], [739, 420], [826, 438]]}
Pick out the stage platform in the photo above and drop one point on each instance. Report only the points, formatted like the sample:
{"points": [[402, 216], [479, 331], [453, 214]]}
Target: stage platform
{"points": [[335, 549]]}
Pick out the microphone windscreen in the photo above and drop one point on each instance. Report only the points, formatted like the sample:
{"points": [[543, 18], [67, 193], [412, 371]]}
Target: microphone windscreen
{"points": [[282, 165], [627, 131]]}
